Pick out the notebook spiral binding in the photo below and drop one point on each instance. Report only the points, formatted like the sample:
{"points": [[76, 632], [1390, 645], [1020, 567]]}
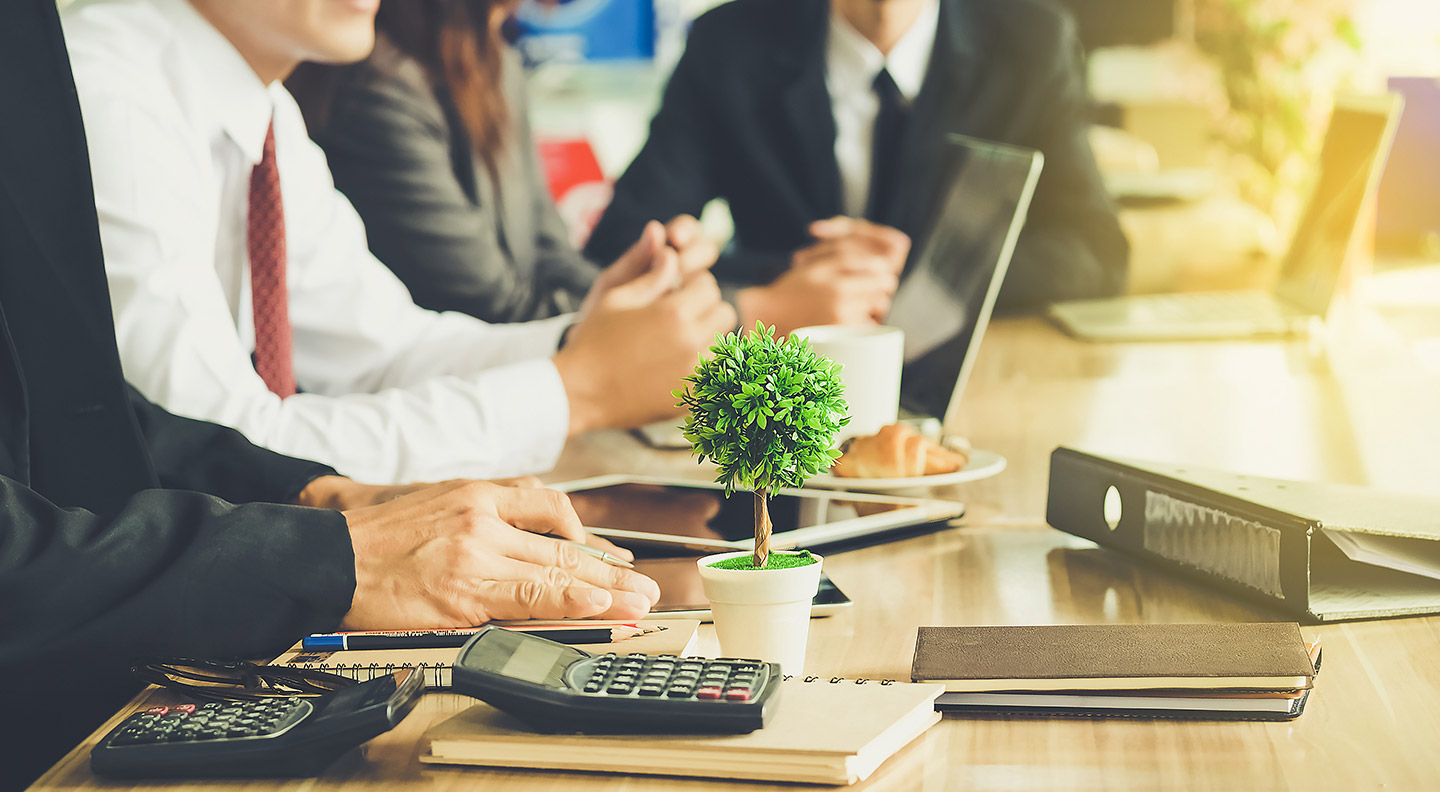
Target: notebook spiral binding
{"points": [[437, 675], [840, 680]]}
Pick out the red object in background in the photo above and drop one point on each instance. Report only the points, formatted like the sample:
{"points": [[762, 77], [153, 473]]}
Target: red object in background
{"points": [[577, 184]]}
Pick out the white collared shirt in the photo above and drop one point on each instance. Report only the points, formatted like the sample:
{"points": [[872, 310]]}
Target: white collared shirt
{"points": [[175, 120], [851, 64]]}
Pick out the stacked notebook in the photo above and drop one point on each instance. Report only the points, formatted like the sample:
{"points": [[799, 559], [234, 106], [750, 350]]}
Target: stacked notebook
{"points": [[822, 733], [1205, 671]]}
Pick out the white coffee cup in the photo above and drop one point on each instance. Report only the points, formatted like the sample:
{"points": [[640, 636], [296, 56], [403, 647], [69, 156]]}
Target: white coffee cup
{"points": [[871, 358]]}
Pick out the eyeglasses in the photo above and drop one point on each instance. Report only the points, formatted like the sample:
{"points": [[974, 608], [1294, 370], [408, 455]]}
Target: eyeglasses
{"points": [[236, 680]]}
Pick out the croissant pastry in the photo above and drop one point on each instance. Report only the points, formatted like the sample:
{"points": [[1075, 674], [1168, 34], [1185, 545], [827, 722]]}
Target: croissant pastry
{"points": [[898, 451]]}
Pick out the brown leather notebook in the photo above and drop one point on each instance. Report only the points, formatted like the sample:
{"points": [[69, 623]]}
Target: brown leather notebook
{"points": [[1261, 656]]}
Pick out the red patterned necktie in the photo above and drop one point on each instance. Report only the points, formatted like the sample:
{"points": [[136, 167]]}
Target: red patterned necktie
{"points": [[265, 241]]}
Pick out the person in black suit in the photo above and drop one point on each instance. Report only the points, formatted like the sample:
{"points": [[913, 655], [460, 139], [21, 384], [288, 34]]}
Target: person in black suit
{"points": [[759, 113], [120, 533]]}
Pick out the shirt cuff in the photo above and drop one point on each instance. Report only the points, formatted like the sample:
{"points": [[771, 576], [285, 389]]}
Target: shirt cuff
{"points": [[533, 414], [550, 333]]}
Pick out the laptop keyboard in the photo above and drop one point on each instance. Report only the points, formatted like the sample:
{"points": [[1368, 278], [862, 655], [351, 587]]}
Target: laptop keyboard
{"points": [[1207, 307]]}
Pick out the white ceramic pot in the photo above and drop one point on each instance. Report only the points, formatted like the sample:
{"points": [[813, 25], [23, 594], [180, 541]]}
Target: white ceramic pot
{"points": [[762, 614]]}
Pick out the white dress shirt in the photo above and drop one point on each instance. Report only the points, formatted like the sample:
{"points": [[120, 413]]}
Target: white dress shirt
{"points": [[851, 63], [175, 120]]}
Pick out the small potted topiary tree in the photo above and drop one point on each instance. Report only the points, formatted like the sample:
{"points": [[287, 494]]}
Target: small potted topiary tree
{"points": [[765, 412]]}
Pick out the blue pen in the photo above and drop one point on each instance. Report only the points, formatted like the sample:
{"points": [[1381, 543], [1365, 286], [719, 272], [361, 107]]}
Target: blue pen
{"points": [[430, 639]]}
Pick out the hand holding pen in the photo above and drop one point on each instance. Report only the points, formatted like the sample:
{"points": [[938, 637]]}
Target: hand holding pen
{"points": [[603, 555]]}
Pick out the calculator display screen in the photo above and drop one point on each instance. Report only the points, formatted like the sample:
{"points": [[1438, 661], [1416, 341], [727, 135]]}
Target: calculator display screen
{"points": [[524, 658]]}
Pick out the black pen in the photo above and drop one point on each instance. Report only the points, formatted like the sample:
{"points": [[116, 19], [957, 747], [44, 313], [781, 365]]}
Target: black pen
{"points": [[448, 639]]}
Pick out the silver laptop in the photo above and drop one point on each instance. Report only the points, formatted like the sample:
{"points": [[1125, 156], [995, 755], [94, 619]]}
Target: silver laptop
{"points": [[945, 300], [949, 290], [1351, 161]]}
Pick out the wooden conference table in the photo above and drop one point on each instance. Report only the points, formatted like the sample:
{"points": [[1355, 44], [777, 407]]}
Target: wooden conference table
{"points": [[1353, 409]]}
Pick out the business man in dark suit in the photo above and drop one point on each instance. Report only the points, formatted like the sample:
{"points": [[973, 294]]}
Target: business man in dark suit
{"points": [[799, 110], [119, 533], [92, 552]]}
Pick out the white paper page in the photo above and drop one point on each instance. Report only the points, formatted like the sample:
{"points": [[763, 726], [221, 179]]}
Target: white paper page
{"points": [[1400, 553]]}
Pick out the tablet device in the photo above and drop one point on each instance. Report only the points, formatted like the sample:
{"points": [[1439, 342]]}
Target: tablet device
{"points": [[696, 517]]}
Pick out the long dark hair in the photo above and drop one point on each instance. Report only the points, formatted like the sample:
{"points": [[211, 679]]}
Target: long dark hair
{"points": [[461, 52]]}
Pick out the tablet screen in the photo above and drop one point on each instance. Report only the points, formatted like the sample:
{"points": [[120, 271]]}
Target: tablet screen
{"points": [[707, 513]]}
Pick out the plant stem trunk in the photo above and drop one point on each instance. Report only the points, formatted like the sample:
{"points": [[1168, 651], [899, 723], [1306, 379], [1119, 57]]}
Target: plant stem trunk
{"points": [[762, 527]]}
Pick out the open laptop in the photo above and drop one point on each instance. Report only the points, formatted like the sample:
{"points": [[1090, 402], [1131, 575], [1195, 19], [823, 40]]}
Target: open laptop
{"points": [[946, 297], [949, 289], [1351, 161]]}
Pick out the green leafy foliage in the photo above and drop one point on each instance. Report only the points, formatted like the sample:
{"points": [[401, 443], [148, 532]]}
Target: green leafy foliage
{"points": [[765, 411]]}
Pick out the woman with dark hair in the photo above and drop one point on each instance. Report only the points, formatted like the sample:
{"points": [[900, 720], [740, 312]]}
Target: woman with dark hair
{"points": [[429, 139]]}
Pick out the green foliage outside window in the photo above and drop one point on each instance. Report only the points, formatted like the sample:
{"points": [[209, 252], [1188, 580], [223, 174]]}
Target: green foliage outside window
{"points": [[1280, 63]]}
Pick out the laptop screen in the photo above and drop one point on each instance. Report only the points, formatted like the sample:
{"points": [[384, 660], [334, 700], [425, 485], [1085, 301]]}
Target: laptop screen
{"points": [[1354, 148], [945, 298]]}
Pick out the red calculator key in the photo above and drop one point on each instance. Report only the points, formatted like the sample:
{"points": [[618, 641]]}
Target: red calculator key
{"points": [[708, 692], [737, 694], [188, 709], [157, 710]]}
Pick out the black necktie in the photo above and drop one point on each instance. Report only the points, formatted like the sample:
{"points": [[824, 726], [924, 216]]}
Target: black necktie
{"points": [[885, 149]]}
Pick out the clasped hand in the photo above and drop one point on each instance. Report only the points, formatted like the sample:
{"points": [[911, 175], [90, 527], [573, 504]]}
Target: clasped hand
{"points": [[639, 331], [847, 276]]}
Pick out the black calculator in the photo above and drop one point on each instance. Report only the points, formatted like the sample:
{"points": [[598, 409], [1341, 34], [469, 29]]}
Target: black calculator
{"points": [[268, 737], [558, 688]]}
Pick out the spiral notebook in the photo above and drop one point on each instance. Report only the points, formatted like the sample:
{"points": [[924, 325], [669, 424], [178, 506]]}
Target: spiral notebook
{"points": [[678, 637], [825, 731]]}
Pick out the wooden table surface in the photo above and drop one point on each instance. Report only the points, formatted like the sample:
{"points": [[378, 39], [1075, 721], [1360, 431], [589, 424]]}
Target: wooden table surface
{"points": [[1351, 407]]}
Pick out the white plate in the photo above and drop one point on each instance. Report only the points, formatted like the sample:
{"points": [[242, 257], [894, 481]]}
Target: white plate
{"points": [[983, 464]]}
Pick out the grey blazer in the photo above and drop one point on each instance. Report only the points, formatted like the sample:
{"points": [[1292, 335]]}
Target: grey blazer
{"points": [[458, 240]]}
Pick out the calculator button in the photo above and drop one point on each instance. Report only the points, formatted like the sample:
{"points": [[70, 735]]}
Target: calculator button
{"points": [[651, 690], [592, 687], [737, 694], [708, 692]]}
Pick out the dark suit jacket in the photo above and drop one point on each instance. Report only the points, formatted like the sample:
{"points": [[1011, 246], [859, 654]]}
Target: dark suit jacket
{"points": [[747, 117], [460, 241], [118, 537]]}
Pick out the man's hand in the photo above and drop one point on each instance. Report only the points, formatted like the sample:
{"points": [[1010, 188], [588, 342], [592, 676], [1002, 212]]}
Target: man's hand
{"points": [[846, 277], [343, 494], [640, 339], [693, 251], [462, 553], [340, 493]]}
